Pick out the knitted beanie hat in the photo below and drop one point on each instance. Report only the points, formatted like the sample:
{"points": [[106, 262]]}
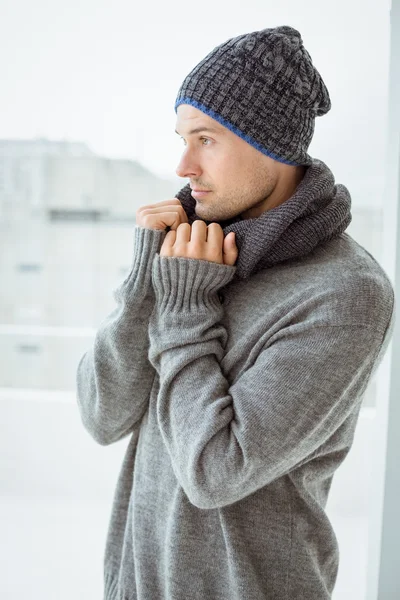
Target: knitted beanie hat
{"points": [[264, 87]]}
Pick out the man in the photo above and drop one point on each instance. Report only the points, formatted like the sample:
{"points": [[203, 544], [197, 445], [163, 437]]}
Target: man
{"points": [[241, 347]]}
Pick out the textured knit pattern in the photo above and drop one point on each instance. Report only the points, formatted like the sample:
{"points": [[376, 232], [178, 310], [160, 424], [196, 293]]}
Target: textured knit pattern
{"points": [[240, 397], [264, 87], [318, 211]]}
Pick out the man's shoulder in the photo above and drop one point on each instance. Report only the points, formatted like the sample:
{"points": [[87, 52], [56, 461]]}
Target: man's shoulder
{"points": [[348, 268], [339, 283]]}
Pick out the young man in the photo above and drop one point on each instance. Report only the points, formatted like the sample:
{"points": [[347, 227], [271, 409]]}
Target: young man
{"points": [[241, 347]]}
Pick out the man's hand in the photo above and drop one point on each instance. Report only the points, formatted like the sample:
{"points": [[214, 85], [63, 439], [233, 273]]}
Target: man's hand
{"points": [[202, 242], [169, 213]]}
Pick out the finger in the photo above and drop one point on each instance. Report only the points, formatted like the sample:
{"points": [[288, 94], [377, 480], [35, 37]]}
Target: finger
{"points": [[171, 235], [159, 209], [199, 231], [231, 238], [215, 234], [230, 252], [171, 201], [183, 233], [175, 208], [169, 241]]}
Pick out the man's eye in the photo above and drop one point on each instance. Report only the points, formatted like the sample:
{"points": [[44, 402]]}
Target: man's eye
{"points": [[202, 138]]}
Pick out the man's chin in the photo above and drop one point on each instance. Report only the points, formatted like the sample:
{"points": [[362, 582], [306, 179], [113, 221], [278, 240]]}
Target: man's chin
{"points": [[201, 212]]}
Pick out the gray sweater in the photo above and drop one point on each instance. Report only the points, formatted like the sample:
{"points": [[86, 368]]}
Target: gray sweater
{"points": [[240, 396]]}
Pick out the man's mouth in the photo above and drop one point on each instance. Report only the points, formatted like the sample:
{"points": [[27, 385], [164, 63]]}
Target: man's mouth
{"points": [[200, 193]]}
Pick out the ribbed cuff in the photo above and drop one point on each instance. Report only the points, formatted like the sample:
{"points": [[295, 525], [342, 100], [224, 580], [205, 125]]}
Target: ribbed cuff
{"points": [[111, 586], [146, 243], [187, 284]]}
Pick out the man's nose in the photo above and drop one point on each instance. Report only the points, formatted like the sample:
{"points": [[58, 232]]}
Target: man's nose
{"points": [[188, 167]]}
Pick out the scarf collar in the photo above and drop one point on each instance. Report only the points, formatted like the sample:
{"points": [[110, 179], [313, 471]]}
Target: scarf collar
{"points": [[318, 211]]}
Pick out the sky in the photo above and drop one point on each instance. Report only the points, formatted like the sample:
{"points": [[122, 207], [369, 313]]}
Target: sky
{"points": [[107, 74]]}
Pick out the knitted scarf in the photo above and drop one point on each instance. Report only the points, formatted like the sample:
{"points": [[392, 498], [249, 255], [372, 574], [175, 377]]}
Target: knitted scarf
{"points": [[318, 211]]}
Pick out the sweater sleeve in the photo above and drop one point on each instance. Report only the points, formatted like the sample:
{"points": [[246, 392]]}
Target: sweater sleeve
{"points": [[114, 377], [227, 441]]}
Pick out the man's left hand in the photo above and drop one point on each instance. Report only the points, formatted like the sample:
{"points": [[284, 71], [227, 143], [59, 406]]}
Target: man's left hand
{"points": [[202, 242]]}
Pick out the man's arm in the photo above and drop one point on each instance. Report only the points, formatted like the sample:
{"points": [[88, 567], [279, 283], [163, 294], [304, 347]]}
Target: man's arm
{"points": [[226, 442], [114, 377]]}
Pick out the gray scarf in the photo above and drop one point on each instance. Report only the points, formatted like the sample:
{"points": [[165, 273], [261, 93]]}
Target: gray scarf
{"points": [[318, 211]]}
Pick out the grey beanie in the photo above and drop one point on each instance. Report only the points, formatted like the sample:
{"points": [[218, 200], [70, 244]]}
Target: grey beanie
{"points": [[264, 87]]}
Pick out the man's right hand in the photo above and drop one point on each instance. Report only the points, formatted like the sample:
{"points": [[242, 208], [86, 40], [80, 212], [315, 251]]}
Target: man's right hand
{"points": [[169, 213]]}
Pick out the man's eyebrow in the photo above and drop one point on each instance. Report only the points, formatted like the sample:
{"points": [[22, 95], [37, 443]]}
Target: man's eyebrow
{"points": [[200, 129]]}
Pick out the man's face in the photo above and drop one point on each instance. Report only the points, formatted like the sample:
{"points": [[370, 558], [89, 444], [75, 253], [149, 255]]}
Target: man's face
{"points": [[239, 177]]}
